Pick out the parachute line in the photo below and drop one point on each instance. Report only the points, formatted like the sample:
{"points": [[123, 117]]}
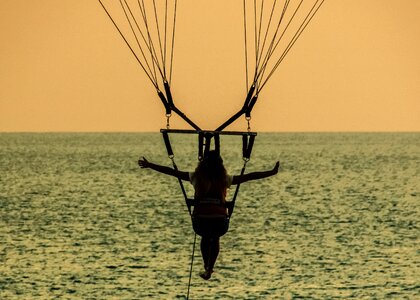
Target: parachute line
{"points": [[271, 29], [173, 42], [150, 43], [266, 34], [129, 46], [255, 35], [274, 26], [274, 44], [136, 36], [160, 39], [268, 38], [151, 39], [246, 48], [151, 53], [301, 29]]}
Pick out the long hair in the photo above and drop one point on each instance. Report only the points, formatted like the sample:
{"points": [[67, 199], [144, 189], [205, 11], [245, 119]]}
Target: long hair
{"points": [[210, 177]]}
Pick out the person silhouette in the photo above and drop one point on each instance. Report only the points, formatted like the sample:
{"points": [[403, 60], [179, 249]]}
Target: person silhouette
{"points": [[210, 216]]}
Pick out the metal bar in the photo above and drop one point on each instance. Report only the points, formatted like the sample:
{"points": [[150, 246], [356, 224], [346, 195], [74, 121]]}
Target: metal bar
{"points": [[190, 131]]}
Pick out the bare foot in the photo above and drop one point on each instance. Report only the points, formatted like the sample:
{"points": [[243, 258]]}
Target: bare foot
{"points": [[206, 275]]}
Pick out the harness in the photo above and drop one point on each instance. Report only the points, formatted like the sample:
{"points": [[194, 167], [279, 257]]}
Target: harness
{"points": [[204, 144], [215, 224]]}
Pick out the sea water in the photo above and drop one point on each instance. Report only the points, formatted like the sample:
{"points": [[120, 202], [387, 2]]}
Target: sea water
{"points": [[80, 220]]}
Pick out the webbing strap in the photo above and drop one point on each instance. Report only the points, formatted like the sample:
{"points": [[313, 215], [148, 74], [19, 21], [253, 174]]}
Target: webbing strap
{"points": [[168, 93], [171, 156], [247, 152], [244, 144], [168, 144], [251, 106], [170, 106], [187, 201], [231, 204], [217, 143], [164, 102], [204, 141], [200, 145], [247, 145], [208, 137], [246, 108]]}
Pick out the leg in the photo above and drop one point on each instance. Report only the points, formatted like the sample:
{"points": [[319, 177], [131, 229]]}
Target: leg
{"points": [[214, 252], [209, 250], [205, 250]]}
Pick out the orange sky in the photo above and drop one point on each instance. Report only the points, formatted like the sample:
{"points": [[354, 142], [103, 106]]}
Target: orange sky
{"points": [[63, 67]]}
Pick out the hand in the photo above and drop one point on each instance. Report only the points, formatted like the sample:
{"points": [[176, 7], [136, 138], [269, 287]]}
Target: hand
{"points": [[143, 163], [276, 167]]}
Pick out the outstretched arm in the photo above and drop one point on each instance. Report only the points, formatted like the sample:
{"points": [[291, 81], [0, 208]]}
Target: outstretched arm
{"points": [[145, 164], [255, 175]]}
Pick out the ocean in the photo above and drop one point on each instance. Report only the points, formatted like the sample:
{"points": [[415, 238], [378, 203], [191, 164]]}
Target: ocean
{"points": [[80, 220]]}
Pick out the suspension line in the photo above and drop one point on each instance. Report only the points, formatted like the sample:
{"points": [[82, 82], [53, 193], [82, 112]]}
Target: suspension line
{"points": [[129, 46], [136, 37], [274, 44], [173, 41], [266, 33], [302, 27], [150, 40], [246, 48], [159, 39]]}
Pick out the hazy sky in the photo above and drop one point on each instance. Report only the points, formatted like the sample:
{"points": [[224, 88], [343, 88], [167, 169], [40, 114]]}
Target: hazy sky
{"points": [[63, 67]]}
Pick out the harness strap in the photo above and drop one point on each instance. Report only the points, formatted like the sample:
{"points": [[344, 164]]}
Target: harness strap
{"points": [[200, 145], [231, 204], [167, 141], [247, 145], [164, 102], [208, 137], [251, 106], [244, 144], [209, 200], [168, 93], [245, 109], [204, 141], [187, 200], [168, 144], [217, 143]]}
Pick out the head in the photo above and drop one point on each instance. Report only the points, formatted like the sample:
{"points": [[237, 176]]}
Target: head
{"points": [[211, 175], [212, 157]]}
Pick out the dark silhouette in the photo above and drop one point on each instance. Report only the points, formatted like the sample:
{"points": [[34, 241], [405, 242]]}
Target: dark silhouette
{"points": [[210, 215]]}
